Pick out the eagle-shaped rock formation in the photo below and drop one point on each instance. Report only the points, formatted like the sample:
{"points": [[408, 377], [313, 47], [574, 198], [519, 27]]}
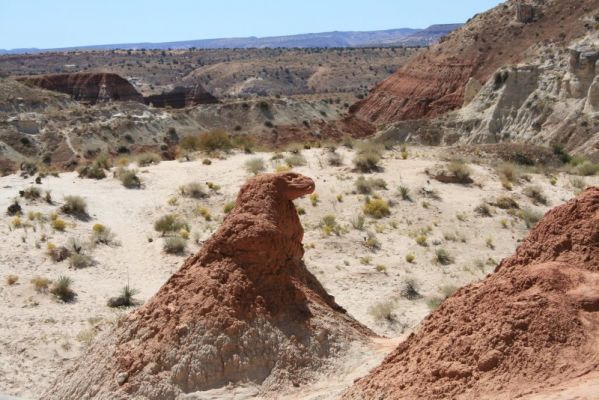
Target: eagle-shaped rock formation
{"points": [[243, 309]]}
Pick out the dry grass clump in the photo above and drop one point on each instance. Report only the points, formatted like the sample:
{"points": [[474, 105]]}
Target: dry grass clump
{"points": [[124, 299], [460, 170], [194, 190], [530, 216], [209, 142], [383, 311], [372, 242], [358, 222], [57, 253], [442, 257], [404, 192], [11, 279], [296, 160], [536, 194], [169, 223], [368, 185], [314, 199], [61, 288], [102, 235], [80, 261], [411, 257], [128, 177], [91, 171], [145, 159], [368, 157], [376, 208], [74, 205], [228, 207], [31, 193], [334, 159], [506, 203], [484, 210], [40, 284], [58, 224], [409, 290], [255, 165], [587, 168], [328, 225], [174, 245]]}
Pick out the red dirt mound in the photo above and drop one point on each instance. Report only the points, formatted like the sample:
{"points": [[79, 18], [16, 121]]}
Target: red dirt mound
{"points": [[433, 81], [531, 325], [87, 87], [244, 308]]}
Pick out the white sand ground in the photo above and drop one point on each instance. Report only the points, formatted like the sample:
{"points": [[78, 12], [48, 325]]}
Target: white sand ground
{"points": [[40, 335]]}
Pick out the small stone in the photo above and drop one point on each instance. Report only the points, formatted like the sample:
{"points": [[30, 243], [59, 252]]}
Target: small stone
{"points": [[122, 378]]}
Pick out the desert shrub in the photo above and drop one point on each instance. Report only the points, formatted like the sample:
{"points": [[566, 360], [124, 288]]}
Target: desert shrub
{"points": [[509, 172], [442, 257], [577, 183], [169, 223], [314, 199], [409, 290], [58, 224], [194, 190], [381, 268], [62, 289], [434, 302], [11, 279], [295, 160], [448, 290], [124, 299], [376, 208], [357, 222], [367, 185], [334, 159], [421, 240], [483, 209], [16, 222], [206, 161], [530, 216], [91, 171], [74, 205], [229, 207], [102, 235], [404, 192], [300, 211], [587, 168], [535, 193], [213, 186], [14, 209], [145, 159], [506, 203], [371, 241], [368, 157], [460, 171], [174, 245], [382, 311], [329, 225], [31, 193], [80, 261], [40, 284], [255, 165], [561, 153], [209, 142], [128, 177], [57, 253], [410, 257]]}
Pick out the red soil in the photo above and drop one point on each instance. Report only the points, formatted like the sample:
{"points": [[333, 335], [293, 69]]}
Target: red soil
{"points": [[531, 325]]}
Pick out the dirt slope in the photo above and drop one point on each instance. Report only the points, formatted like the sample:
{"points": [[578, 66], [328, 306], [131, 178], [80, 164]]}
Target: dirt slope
{"points": [[530, 326], [244, 308], [433, 82]]}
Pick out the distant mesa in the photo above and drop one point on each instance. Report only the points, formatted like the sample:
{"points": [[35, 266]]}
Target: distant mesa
{"points": [[87, 87], [528, 327], [243, 309], [93, 88]]}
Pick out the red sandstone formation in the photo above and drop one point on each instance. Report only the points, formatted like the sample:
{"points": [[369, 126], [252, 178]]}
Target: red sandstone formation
{"points": [[530, 325], [182, 96], [244, 308], [87, 87], [433, 82]]}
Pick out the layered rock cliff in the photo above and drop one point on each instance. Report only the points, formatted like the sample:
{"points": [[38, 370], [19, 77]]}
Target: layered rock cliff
{"points": [[434, 81]]}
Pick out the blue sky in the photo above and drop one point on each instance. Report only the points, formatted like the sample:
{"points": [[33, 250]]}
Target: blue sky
{"points": [[62, 23]]}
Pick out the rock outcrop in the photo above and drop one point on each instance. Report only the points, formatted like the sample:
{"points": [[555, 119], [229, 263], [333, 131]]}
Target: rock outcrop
{"points": [[433, 82], [531, 325], [181, 97], [243, 309], [87, 87]]}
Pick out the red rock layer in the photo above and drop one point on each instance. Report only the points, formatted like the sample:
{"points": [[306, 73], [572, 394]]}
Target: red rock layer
{"points": [[244, 308], [530, 325], [182, 96], [87, 87], [433, 81]]}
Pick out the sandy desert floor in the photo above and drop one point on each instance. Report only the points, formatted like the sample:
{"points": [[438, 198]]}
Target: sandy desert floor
{"points": [[40, 335]]}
